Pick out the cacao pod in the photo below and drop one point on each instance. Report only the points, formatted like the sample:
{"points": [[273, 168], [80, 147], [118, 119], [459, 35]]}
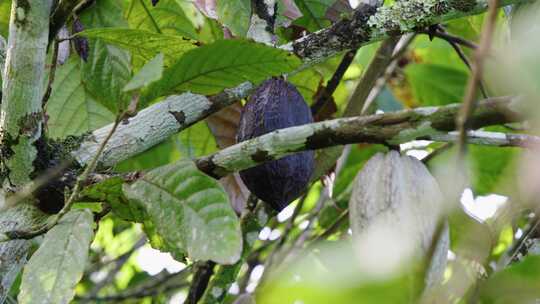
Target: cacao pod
{"points": [[396, 199], [80, 43], [276, 104]]}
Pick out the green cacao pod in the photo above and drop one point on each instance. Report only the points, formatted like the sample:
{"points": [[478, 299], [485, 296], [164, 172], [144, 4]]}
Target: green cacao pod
{"points": [[276, 104]]}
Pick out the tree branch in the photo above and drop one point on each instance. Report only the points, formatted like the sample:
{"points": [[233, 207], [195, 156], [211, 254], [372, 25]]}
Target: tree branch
{"points": [[490, 138], [367, 25], [21, 120], [390, 128]]}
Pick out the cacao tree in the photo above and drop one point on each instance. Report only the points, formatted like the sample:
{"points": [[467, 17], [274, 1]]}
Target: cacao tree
{"points": [[276, 151]]}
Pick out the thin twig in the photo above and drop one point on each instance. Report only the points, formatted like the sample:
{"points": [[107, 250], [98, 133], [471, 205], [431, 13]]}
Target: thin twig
{"points": [[437, 152], [469, 100], [519, 245], [463, 58], [377, 66], [326, 94], [52, 73], [399, 51], [337, 223], [450, 38]]}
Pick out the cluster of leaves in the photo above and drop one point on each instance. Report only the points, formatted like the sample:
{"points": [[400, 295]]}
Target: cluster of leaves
{"points": [[151, 51]]}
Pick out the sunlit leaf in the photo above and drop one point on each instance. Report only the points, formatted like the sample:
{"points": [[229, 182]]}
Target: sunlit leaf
{"points": [[222, 64], [143, 43], [167, 15]]}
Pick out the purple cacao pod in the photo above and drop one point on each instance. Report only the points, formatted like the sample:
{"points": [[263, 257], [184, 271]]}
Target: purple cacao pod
{"points": [[80, 43], [154, 2], [275, 105]]}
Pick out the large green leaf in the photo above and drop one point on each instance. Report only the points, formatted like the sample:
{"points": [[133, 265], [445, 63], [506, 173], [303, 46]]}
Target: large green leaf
{"points": [[190, 211], [435, 85], [105, 75], [71, 111], [167, 15], [518, 283], [143, 43], [235, 15], [55, 268], [107, 70], [222, 64], [313, 12]]}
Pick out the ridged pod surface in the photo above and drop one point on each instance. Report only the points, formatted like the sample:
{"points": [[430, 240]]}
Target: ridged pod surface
{"points": [[397, 199], [276, 104]]}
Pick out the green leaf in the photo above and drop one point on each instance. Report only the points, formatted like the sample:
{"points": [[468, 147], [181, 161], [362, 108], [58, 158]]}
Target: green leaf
{"points": [[159, 155], [103, 13], [108, 68], [5, 9], [168, 15], [307, 82], [105, 75], [190, 211], [196, 141], [235, 15], [490, 167], [55, 268], [142, 43], [110, 191], [71, 111], [435, 85], [150, 72], [222, 64], [313, 14], [518, 283]]}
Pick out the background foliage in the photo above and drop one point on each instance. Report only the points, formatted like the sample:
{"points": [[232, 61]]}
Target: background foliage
{"points": [[190, 217]]}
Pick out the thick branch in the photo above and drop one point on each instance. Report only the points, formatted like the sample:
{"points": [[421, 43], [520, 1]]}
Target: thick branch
{"points": [[20, 116], [20, 124], [155, 124], [391, 129], [151, 126], [369, 24]]}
